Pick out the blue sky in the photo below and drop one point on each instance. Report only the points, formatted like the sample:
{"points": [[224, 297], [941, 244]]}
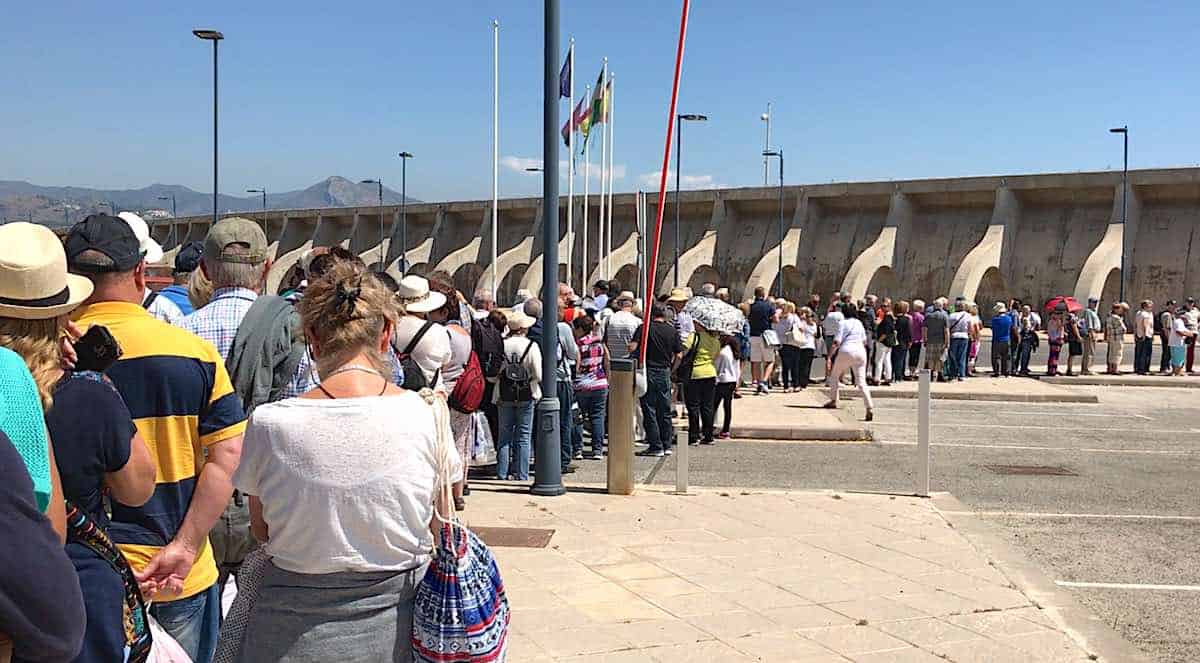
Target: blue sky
{"points": [[119, 94]]}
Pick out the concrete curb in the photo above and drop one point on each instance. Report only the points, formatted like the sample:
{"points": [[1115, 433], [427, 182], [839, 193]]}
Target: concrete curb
{"points": [[1081, 624], [884, 394], [816, 433], [1161, 382]]}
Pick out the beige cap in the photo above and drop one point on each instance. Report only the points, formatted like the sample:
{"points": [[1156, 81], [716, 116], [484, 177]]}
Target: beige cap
{"points": [[235, 230]]}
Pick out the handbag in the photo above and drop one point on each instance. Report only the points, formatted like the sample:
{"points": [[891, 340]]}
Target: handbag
{"points": [[795, 334], [770, 338], [483, 450], [460, 613]]}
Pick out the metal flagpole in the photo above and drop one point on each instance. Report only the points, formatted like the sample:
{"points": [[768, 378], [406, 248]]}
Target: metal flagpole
{"points": [[495, 146], [587, 164], [571, 160], [609, 105], [603, 161]]}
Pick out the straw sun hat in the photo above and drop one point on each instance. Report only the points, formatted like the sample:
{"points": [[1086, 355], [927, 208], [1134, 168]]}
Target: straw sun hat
{"points": [[34, 283]]}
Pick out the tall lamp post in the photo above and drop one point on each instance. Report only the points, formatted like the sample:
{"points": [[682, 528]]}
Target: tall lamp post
{"points": [[404, 157], [174, 214], [263, 191], [768, 154], [678, 158], [215, 37], [766, 117], [382, 256], [1124, 131]]}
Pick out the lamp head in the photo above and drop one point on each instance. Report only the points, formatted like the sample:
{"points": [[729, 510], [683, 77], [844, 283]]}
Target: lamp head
{"points": [[405, 155], [210, 35], [765, 117], [1119, 130], [255, 191], [692, 117], [771, 153], [370, 182]]}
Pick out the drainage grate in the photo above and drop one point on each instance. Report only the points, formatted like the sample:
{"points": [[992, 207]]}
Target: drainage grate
{"points": [[1033, 470], [514, 537]]}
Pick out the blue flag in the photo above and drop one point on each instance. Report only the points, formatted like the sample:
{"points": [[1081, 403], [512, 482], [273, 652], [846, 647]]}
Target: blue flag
{"points": [[564, 78]]}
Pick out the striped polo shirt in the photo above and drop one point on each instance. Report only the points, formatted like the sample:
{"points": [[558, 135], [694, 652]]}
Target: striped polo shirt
{"points": [[182, 402]]}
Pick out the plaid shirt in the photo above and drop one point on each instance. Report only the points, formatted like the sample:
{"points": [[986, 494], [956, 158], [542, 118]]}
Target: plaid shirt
{"points": [[218, 324]]}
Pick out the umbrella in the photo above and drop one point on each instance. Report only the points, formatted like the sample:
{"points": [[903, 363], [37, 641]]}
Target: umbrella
{"points": [[1063, 303], [715, 315]]}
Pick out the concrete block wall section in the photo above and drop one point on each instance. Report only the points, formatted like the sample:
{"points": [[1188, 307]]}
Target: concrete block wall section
{"points": [[990, 238]]}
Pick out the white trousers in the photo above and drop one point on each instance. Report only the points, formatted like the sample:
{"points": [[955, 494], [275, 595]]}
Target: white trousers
{"points": [[856, 362], [883, 362]]}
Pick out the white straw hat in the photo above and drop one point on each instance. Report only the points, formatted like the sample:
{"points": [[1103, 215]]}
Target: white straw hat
{"points": [[416, 297], [517, 320], [34, 283]]}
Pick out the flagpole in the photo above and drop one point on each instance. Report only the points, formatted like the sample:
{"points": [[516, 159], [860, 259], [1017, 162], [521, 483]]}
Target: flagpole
{"points": [[571, 160], [611, 104], [603, 163], [587, 163], [495, 149]]}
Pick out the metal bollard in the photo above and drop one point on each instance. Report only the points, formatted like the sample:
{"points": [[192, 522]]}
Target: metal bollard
{"points": [[621, 401], [681, 466], [923, 412]]}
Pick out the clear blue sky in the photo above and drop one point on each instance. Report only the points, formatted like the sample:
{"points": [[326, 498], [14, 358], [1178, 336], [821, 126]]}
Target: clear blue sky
{"points": [[119, 94]]}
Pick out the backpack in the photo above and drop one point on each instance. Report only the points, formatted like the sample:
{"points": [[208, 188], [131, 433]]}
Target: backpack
{"points": [[414, 375], [516, 385], [488, 346], [467, 394], [266, 351]]}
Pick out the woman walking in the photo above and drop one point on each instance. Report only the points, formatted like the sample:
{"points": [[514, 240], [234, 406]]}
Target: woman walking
{"points": [[851, 349], [808, 345], [1114, 336], [790, 337], [729, 369], [342, 484]]}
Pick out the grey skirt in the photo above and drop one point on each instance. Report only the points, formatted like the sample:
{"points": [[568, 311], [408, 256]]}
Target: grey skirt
{"points": [[345, 617]]}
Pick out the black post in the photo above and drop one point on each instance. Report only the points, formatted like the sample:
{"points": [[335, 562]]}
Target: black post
{"points": [[404, 215], [780, 292], [214, 42], [678, 148], [547, 478], [1124, 208], [264, 198]]}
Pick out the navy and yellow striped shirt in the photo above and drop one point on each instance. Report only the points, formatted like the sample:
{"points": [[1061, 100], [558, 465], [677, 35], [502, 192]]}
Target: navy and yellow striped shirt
{"points": [[182, 401]]}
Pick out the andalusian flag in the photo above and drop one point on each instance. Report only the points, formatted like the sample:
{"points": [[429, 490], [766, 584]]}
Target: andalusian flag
{"points": [[599, 101], [582, 118]]}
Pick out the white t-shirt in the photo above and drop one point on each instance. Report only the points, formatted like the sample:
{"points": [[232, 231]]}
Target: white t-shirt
{"points": [[808, 335], [163, 308], [514, 348], [960, 324], [831, 323], [460, 353], [851, 336], [347, 484], [728, 369], [1177, 337], [784, 326], [431, 352], [1143, 324]]}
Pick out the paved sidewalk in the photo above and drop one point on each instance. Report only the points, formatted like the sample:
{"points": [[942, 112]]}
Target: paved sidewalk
{"points": [[794, 416], [735, 576], [983, 388]]}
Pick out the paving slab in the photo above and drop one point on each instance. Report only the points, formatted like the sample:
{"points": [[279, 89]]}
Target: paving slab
{"points": [[981, 388], [792, 416], [806, 576]]}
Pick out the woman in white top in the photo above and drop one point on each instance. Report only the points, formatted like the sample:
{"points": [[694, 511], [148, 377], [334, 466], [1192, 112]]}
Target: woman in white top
{"points": [[342, 484], [450, 316], [729, 372], [808, 345], [788, 330], [516, 400], [849, 344]]}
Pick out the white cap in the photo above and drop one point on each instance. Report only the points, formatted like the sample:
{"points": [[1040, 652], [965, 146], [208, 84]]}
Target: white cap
{"points": [[152, 249]]}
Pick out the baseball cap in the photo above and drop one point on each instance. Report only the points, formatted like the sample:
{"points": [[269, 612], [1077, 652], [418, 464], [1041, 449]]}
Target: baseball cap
{"points": [[108, 235], [236, 230], [152, 249], [188, 258]]}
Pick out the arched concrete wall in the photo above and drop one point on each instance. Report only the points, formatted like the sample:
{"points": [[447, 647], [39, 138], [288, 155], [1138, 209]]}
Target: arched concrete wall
{"points": [[882, 252], [704, 274], [766, 270], [988, 253], [703, 252], [1107, 255]]}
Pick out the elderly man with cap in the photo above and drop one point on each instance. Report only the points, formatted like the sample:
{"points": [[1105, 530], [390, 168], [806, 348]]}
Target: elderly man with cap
{"points": [[184, 406], [163, 308], [186, 262], [1090, 328]]}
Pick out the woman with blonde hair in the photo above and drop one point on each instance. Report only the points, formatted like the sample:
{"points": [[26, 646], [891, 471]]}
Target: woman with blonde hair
{"points": [[790, 337], [342, 484], [808, 345]]}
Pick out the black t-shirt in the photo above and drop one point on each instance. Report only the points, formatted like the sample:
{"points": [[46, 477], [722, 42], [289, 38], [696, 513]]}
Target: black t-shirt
{"points": [[91, 429], [662, 344]]}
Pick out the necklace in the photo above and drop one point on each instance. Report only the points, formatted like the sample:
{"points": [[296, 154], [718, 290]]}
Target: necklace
{"points": [[347, 369]]}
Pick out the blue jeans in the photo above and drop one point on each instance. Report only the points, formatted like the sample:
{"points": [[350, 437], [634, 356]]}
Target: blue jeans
{"points": [[594, 405], [958, 357], [656, 409], [194, 622], [566, 422], [516, 429]]}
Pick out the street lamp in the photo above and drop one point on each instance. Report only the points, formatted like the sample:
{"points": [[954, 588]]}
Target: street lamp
{"points": [[263, 191], [170, 233], [768, 154], [1124, 131], [215, 37], [678, 156], [404, 157], [766, 117], [382, 255]]}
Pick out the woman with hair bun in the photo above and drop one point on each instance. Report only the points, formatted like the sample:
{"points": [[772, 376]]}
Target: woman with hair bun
{"points": [[342, 484]]}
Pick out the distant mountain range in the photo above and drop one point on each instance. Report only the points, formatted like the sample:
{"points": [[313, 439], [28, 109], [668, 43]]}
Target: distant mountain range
{"points": [[64, 205]]}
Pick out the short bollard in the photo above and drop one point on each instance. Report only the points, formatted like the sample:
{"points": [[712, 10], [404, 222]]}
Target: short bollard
{"points": [[621, 402], [923, 411]]}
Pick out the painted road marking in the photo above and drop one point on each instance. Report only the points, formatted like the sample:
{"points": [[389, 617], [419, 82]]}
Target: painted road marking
{"points": [[1022, 413], [1090, 516], [1126, 585], [1021, 447], [1044, 428]]}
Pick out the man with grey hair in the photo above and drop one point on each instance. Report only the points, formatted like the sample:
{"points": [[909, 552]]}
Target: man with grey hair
{"points": [[483, 302], [708, 290], [935, 336]]}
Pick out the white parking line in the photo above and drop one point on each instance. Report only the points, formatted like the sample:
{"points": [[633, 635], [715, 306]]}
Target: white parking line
{"points": [[1126, 585], [1089, 516], [1043, 427], [1024, 447], [1021, 413]]}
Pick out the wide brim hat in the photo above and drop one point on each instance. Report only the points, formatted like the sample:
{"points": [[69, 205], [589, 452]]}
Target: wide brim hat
{"points": [[151, 250], [415, 295], [677, 295], [517, 320], [34, 282]]}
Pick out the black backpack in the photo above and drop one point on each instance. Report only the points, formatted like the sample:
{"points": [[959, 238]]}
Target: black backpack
{"points": [[488, 346], [414, 375], [516, 385]]}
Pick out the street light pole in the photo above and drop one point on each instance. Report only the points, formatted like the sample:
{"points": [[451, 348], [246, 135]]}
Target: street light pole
{"points": [[263, 191], [678, 158], [215, 37], [766, 117], [779, 153], [382, 257], [1124, 131], [404, 157], [174, 215]]}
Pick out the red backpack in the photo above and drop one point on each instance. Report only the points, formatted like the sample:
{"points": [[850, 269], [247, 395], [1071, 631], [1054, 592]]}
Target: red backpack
{"points": [[468, 390]]}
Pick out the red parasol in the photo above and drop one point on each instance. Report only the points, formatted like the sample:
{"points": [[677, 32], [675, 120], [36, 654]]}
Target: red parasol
{"points": [[1062, 302]]}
